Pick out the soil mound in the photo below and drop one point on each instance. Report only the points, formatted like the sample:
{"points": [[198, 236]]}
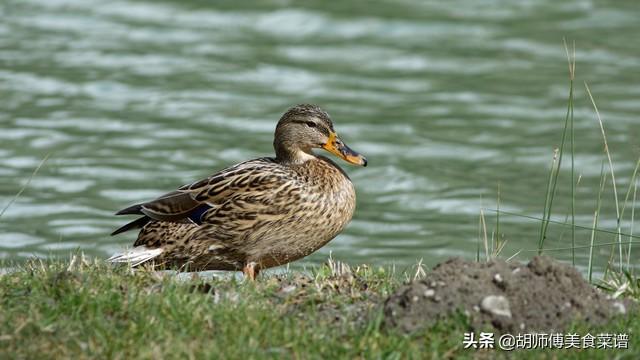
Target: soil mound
{"points": [[543, 295]]}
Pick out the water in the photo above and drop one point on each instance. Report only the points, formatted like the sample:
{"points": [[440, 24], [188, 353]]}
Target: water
{"points": [[449, 101]]}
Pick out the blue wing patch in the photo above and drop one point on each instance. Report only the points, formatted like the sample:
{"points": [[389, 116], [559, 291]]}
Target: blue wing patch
{"points": [[196, 214]]}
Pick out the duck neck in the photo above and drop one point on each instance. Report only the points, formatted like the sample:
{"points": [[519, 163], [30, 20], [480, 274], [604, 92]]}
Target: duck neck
{"points": [[285, 153]]}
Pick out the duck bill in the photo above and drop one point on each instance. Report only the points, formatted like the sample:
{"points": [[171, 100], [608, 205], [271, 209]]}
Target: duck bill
{"points": [[335, 146]]}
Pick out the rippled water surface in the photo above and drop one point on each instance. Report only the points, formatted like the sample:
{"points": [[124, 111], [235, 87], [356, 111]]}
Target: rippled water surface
{"points": [[448, 100]]}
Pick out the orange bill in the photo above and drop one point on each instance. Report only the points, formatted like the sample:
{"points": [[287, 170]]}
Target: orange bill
{"points": [[335, 146]]}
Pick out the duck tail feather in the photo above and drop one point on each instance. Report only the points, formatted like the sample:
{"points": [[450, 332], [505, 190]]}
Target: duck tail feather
{"points": [[136, 256], [135, 224], [133, 209]]}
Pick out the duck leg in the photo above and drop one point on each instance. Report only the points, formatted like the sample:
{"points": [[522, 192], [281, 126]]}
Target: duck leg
{"points": [[251, 270]]}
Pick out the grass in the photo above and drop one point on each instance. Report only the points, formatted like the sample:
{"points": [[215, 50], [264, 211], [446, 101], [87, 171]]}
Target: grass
{"points": [[615, 264], [613, 176], [633, 211], [596, 216], [86, 309], [558, 153]]}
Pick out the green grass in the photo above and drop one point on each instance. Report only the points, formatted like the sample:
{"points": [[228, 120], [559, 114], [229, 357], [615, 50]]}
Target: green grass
{"points": [[619, 260], [94, 310], [556, 165], [88, 309]]}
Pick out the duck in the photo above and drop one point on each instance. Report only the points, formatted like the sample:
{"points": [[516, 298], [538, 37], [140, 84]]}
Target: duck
{"points": [[254, 215]]}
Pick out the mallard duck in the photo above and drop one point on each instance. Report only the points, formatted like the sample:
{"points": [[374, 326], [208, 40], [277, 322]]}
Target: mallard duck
{"points": [[254, 215]]}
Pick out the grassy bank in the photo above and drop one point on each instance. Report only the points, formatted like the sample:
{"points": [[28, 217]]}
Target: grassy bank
{"points": [[88, 309]]}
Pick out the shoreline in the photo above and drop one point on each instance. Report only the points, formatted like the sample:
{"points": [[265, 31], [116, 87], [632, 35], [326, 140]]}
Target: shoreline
{"points": [[87, 309]]}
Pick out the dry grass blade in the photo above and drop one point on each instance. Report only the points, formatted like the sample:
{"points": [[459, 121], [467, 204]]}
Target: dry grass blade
{"points": [[24, 187], [572, 75], [596, 215], [591, 247], [479, 236], [498, 241], [484, 231], [633, 211], [571, 59], [420, 272], [514, 255], [613, 177], [546, 214]]}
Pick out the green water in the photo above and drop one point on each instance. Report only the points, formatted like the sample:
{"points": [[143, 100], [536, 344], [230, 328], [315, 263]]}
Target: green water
{"points": [[448, 101]]}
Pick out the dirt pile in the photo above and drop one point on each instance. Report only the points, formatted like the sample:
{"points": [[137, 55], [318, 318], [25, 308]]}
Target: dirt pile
{"points": [[543, 295]]}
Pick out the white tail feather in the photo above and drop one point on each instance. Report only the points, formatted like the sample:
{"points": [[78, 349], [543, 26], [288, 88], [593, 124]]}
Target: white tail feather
{"points": [[136, 256]]}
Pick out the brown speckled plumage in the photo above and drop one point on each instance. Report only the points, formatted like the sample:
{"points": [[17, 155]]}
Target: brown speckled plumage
{"points": [[257, 214]]}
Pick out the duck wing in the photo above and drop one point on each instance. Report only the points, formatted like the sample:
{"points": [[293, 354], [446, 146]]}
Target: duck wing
{"points": [[191, 201]]}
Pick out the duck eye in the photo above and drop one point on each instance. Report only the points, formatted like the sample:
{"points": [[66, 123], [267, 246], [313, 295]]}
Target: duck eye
{"points": [[311, 124]]}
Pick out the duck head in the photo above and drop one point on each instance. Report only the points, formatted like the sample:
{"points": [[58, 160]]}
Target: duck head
{"points": [[306, 127]]}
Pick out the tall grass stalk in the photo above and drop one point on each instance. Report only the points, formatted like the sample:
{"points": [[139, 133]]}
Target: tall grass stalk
{"points": [[619, 231], [596, 216], [555, 170], [498, 219], [633, 211], [484, 232], [26, 184], [548, 202], [572, 74], [632, 185], [593, 238], [566, 218], [613, 177], [632, 181], [479, 237]]}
